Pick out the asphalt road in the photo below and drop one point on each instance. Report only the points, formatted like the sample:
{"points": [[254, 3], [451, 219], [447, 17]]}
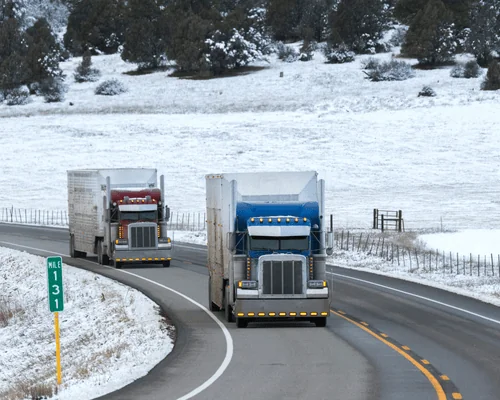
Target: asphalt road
{"points": [[347, 360]]}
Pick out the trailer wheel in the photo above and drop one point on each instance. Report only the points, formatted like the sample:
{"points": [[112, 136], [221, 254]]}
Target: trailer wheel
{"points": [[72, 252], [166, 264], [228, 310], [320, 322], [241, 322], [211, 306]]}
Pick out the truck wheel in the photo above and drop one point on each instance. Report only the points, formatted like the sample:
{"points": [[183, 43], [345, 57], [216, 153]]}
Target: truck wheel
{"points": [[241, 322], [166, 264], [118, 265], [320, 322], [72, 252], [102, 257], [211, 305], [228, 310]]}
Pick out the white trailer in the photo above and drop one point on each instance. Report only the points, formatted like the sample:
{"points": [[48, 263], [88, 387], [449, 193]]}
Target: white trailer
{"points": [[267, 246], [118, 214]]}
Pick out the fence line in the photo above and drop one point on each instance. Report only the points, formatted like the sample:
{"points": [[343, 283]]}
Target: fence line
{"points": [[193, 221], [413, 259]]}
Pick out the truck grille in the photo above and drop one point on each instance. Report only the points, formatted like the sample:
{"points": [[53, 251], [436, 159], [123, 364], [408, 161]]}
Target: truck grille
{"points": [[142, 236], [282, 277]]}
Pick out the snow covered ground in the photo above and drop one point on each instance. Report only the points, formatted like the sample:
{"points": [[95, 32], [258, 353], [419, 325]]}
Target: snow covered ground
{"points": [[110, 334], [377, 145]]}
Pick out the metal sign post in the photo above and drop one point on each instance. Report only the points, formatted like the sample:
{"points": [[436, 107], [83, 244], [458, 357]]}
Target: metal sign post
{"points": [[56, 303]]}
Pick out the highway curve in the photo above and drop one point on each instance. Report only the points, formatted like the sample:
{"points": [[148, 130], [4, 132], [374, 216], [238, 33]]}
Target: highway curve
{"points": [[379, 343]]}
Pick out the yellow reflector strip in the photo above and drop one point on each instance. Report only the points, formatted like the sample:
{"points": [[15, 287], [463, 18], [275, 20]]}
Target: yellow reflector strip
{"points": [[251, 314], [262, 314], [150, 259], [131, 259], [240, 314], [162, 259], [364, 323], [341, 312], [405, 348], [143, 258], [314, 313], [384, 335], [425, 362], [324, 314], [293, 314], [303, 313], [169, 258], [137, 259], [457, 396], [282, 314], [272, 314], [118, 259], [445, 378], [156, 259]]}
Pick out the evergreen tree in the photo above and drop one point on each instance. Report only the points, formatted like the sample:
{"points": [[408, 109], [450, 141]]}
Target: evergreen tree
{"points": [[43, 52], [406, 10], [492, 80], [283, 17], [359, 24], [484, 34], [314, 20], [85, 72], [430, 37], [145, 33], [13, 48], [96, 24]]}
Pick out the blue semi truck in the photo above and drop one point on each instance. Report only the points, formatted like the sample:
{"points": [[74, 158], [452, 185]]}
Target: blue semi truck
{"points": [[268, 240]]}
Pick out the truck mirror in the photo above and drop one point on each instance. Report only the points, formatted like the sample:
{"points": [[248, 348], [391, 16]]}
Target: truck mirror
{"points": [[231, 241], [329, 241]]}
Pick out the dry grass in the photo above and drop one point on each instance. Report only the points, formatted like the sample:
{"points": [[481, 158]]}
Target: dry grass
{"points": [[28, 389], [7, 311]]}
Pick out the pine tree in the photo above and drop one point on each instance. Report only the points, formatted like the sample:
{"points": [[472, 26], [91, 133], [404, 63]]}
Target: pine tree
{"points": [[96, 24], [430, 37], [43, 52], [484, 34], [13, 48], [85, 72], [145, 34], [492, 80], [359, 24]]}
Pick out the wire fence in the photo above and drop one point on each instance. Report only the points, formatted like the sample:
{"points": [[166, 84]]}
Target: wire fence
{"points": [[415, 259], [179, 221]]}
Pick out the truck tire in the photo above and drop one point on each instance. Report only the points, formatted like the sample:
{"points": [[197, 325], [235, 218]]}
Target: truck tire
{"points": [[320, 322], [228, 310], [72, 252], [211, 305], [102, 257], [166, 264], [241, 322], [118, 265]]}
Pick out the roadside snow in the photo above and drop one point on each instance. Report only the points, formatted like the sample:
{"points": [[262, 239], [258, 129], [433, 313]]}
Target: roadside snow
{"points": [[110, 334]]}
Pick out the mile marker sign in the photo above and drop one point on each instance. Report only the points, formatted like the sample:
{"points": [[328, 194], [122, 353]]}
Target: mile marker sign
{"points": [[54, 274]]}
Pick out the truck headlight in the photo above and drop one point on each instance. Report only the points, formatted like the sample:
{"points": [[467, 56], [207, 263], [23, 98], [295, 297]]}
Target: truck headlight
{"points": [[247, 284], [164, 240], [316, 284]]}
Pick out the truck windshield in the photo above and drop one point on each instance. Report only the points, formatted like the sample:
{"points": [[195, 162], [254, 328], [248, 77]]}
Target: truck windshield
{"points": [[138, 216], [274, 243]]}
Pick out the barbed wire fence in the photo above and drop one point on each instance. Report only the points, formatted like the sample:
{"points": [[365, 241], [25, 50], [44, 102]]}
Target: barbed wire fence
{"points": [[414, 258], [180, 221]]}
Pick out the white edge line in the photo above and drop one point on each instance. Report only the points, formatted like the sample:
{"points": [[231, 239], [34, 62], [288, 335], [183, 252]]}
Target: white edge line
{"points": [[417, 296], [227, 335]]}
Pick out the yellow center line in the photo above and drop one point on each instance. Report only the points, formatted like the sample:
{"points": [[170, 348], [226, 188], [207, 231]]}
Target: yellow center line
{"points": [[434, 382]]}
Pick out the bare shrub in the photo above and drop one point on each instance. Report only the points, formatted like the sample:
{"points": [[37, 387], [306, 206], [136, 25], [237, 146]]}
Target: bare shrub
{"points": [[7, 311], [286, 53], [370, 63], [470, 69], [390, 71], [18, 96], [111, 87], [30, 390]]}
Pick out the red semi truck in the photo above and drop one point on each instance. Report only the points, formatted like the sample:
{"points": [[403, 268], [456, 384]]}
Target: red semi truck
{"points": [[120, 215]]}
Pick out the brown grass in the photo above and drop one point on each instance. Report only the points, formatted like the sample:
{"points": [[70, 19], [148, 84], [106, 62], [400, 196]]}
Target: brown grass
{"points": [[233, 72], [27, 389], [7, 311]]}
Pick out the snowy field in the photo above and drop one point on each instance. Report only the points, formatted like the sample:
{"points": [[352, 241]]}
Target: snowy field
{"points": [[377, 145], [110, 334]]}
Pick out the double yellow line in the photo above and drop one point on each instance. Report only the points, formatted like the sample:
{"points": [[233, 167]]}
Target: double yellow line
{"points": [[441, 395]]}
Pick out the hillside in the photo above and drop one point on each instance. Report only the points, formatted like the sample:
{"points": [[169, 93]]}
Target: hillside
{"points": [[378, 145]]}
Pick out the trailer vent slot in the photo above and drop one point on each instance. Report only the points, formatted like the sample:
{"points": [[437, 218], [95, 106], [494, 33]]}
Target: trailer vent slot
{"points": [[143, 236], [282, 278]]}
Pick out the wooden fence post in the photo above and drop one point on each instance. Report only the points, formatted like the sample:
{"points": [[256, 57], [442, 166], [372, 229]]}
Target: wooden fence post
{"points": [[375, 218]]}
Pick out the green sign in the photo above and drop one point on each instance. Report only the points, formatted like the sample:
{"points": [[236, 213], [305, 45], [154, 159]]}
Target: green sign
{"points": [[54, 274]]}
